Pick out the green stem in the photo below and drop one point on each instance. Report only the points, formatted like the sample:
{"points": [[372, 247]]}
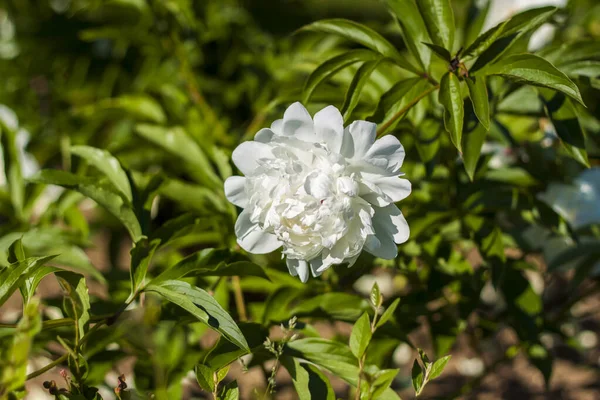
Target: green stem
{"points": [[48, 367], [400, 113]]}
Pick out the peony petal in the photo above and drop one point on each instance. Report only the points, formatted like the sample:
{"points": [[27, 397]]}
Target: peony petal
{"points": [[363, 135], [277, 127], [235, 191], [264, 135], [389, 221], [381, 246], [253, 239], [392, 187], [318, 185], [246, 155], [317, 267], [298, 268], [329, 128], [298, 123], [386, 153]]}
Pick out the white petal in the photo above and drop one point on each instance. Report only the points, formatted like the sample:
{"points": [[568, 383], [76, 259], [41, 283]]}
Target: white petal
{"points": [[264, 135], [298, 268], [363, 135], [298, 123], [317, 267], [386, 153], [392, 187], [253, 239], [318, 185], [235, 191], [277, 127], [329, 127], [245, 156], [389, 221], [382, 246]]}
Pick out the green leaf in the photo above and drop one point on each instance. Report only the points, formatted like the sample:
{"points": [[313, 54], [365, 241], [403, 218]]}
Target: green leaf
{"points": [[388, 313], [535, 71], [418, 377], [194, 197], [427, 139], [588, 68], [382, 380], [13, 276], [108, 165], [332, 66], [334, 356], [479, 98], [356, 86], [476, 16], [339, 306], [30, 284], [493, 246], [375, 297], [15, 357], [563, 114], [142, 107], [225, 352], [12, 167], [176, 141], [414, 31], [309, 382], [202, 306], [474, 134], [439, 20], [230, 391], [210, 262], [492, 44], [16, 252], [484, 41], [361, 336], [104, 196], [450, 97], [440, 51], [362, 34], [141, 256], [76, 292], [400, 97], [438, 367], [204, 376]]}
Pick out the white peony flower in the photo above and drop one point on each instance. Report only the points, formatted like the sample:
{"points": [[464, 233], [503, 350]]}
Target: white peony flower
{"points": [[321, 191], [576, 203]]}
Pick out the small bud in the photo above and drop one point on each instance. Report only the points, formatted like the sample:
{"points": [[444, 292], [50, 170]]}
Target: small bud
{"points": [[63, 373], [46, 384]]}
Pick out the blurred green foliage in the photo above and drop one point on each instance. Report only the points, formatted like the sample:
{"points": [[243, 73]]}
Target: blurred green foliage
{"points": [[137, 105]]}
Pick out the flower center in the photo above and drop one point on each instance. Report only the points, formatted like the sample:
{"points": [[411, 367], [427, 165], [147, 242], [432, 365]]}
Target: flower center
{"points": [[311, 202]]}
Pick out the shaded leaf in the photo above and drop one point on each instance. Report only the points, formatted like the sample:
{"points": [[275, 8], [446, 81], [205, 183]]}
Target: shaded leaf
{"points": [[309, 382], [332, 66], [356, 86], [450, 97], [202, 306], [440, 51], [479, 97], [108, 165], [414, 31], [563, 115], [14, 275], [439, 20], [204, 376], [104, 196], [141, 256], [535, 71], [361, 336], [418, 377], [76, 293]]}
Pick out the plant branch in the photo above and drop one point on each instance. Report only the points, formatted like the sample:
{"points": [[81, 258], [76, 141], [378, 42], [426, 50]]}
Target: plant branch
{"points": [[403, 111], [239, 298], [48, 367]]}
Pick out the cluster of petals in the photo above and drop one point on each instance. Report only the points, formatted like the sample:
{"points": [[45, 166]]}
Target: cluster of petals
{"points": [[321, 191]]}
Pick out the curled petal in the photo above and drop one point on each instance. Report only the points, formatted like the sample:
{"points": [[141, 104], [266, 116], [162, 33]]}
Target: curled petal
{"points": [[298, 268], [389, 221], [253, 239], [362, 136], [264, 135], [298, 123], [246, 155], [235, 191], [386, 153], [329, 127]]}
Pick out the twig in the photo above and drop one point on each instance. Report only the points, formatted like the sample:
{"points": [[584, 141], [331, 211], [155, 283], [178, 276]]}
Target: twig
{"points": [[239, 298], [400, 113], [48, 367]]}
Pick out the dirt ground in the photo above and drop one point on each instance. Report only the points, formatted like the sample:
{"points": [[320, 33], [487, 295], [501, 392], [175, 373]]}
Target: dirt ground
{"points": [[576, 376]]}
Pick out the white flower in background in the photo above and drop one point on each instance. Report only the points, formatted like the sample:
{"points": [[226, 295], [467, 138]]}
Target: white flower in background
{"points": [[321, 191], [579, 203], [29, 164], [501, 10]]}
